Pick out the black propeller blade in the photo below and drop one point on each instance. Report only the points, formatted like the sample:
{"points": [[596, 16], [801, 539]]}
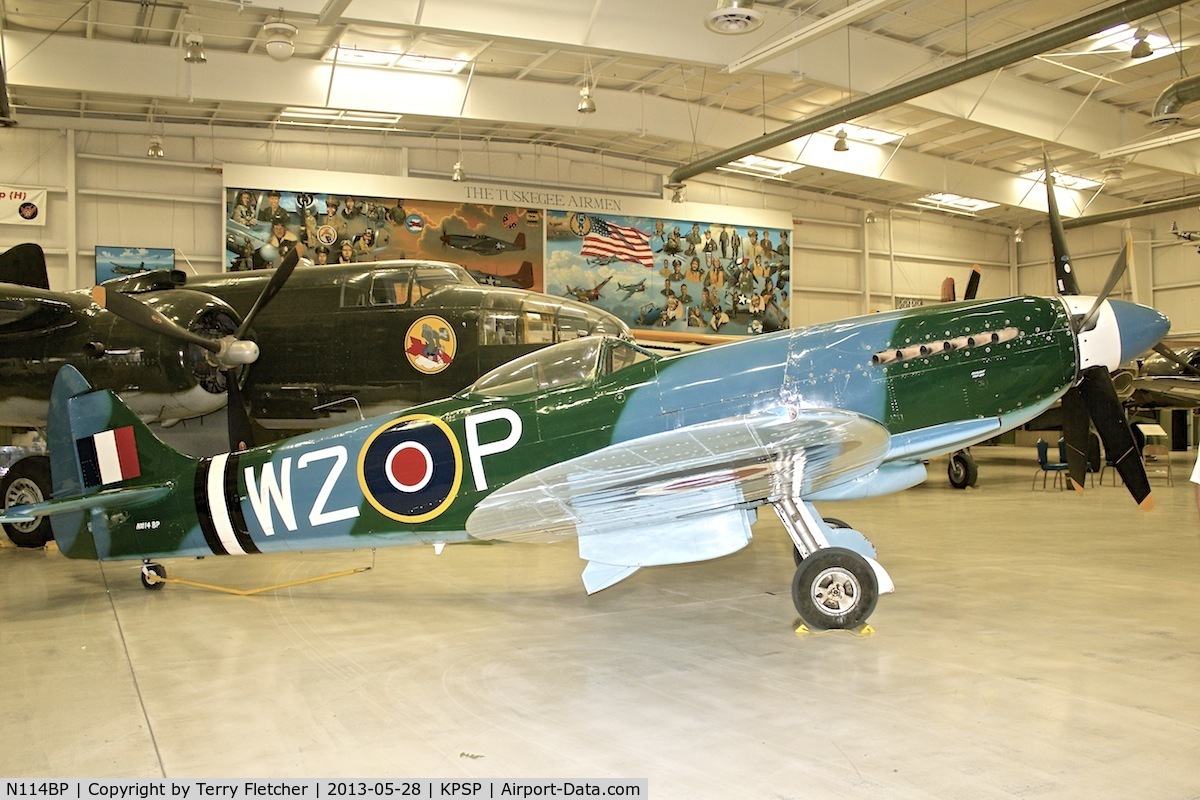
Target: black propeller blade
{"points": [[1093, 395], [1114, 276], [133, 310], [229, 353], [1063, 271], [1108, 416], [972, 284]]}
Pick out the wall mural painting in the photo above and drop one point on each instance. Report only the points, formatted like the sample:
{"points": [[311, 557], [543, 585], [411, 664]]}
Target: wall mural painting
{"points": [[676, 275], [500, 245], [121, 262]]}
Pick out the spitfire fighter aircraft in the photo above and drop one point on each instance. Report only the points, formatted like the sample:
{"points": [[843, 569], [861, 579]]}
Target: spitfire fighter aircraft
{"points": [[641, 460]]}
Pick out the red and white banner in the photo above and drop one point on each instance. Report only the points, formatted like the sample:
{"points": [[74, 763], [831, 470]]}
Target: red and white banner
{"points": [[22, 206]]}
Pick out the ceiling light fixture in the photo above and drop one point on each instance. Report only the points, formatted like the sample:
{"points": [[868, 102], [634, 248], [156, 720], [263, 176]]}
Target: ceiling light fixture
{"points": [[733, 17], [676, 191], [155, 150], [195, 49], [840, 145], [586, 104], [1141, 48], [279, 38], [1019, 234], [457, 175]]}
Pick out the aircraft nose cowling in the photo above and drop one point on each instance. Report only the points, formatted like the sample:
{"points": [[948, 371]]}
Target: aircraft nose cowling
{"points": [[1140, 327]]}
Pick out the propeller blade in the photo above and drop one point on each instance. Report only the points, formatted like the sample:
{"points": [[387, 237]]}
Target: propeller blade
{"points": [[135, 311], [1114, 275], [973, 283], [1109, 418], [282, 273], [241, 433], [1063, 271], [948, 291], [1075, 436], [1171, 355]]}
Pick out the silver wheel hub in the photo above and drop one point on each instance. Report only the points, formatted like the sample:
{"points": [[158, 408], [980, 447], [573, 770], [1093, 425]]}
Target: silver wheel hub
{"points": [[835, 591], [23, 492]]}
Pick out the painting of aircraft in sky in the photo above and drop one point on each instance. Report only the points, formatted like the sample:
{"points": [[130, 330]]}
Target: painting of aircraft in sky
{"points": [[630, 289], [482, 244], [640, 460], [585, 295]]}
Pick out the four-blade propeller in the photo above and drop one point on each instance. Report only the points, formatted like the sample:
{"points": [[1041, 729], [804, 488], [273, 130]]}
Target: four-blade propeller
{"points": [[229, 353], [1093, 401]]}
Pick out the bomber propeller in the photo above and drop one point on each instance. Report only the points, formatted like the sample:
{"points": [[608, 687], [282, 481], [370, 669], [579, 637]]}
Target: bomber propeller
{"points": [[1093, 396], [229, 353]]}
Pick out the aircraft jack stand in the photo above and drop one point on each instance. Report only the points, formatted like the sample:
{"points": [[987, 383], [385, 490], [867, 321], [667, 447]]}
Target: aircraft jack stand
{"points": [[154, 576]]}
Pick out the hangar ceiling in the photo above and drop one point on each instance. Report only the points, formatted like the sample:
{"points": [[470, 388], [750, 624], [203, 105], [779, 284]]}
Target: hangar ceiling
{"points": [[668, 90]]}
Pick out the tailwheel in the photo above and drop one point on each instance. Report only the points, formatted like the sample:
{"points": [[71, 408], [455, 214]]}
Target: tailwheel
{"points": [[159, 573], [834, 588]]}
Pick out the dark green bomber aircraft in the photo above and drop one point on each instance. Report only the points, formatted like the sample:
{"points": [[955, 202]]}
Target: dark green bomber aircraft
{"points": [[338, 343], [644, 460]]}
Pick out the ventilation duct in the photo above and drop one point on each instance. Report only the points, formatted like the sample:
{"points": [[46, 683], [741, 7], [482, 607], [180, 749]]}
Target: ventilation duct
{"points": [[1173, 98]]}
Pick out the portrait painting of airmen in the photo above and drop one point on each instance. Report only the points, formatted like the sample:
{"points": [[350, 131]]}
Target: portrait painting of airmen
{"points": [[499, 245], [677, 275]]}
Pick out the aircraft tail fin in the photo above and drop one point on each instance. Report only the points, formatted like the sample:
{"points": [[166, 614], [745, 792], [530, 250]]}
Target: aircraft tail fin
{"points": [[24, 265], [519, 242], [524, 276], [101, 456]]}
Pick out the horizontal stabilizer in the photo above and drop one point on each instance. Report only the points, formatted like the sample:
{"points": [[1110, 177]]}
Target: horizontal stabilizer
{"points": [[109, 498]]}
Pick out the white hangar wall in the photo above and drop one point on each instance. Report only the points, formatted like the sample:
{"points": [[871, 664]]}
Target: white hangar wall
{"points": [[848, 258]]}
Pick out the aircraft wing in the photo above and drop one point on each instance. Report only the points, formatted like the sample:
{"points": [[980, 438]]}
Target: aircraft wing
{"points": [[682, 495]]}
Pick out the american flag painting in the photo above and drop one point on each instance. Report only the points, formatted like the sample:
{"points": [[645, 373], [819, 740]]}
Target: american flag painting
{"points": [[608, 240]]}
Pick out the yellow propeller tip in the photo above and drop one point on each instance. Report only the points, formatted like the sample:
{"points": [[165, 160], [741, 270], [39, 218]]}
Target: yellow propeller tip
{"points": [[1147, 504], [1076, 486], [99, 295]]}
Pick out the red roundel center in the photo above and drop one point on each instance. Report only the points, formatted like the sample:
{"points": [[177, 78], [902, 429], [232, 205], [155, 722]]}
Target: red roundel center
{"points": [[409, 467]]}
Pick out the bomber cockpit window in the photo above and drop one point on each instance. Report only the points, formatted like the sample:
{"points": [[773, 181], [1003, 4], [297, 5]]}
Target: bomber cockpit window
{"points": [[428, 278], [552, 367], [376, 288]]}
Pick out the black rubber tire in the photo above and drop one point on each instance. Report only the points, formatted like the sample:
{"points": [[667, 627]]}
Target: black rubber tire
{"points": [[157, 569], [832, 522], [962, 471], [834, 588], [27, 481]]}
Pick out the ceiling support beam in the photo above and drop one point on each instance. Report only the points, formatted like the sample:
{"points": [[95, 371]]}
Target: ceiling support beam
{"points": [[1073, 31]]}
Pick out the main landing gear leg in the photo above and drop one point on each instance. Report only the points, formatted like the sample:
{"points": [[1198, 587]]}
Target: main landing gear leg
{"points": [[836, 584]]}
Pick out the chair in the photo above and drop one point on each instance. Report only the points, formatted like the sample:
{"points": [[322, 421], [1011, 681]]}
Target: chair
{"points": [[1157, 458], [1045, 467]]}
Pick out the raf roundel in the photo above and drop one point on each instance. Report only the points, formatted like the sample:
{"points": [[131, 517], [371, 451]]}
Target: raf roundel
{"points": [[411, 468]]}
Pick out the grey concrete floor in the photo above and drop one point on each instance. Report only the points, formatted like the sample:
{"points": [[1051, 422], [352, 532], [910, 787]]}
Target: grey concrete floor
{"points": [[1039, 645]]}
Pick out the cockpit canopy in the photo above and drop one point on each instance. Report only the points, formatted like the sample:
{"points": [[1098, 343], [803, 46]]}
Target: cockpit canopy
{"points": [[574, 362]]}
